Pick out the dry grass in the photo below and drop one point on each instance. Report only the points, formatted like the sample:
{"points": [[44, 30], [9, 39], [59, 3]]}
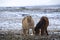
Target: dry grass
{"points": [[13, 36]]}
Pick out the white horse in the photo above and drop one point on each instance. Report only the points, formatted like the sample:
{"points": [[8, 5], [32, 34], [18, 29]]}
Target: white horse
{"points": [[27, 23]]}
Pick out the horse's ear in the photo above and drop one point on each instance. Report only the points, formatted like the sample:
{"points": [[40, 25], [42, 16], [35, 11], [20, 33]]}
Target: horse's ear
{"points": [[30, 17], [26, 16]]}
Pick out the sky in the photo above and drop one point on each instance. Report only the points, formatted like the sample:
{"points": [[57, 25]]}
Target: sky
{"points": [[12, 3]]}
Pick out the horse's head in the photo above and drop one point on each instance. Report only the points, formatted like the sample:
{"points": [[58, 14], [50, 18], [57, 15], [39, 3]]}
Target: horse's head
{"points": [[29, 18], [44, 18]]}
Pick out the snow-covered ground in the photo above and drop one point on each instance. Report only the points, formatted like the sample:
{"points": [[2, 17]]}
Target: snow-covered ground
{"points": [[13, 20]]}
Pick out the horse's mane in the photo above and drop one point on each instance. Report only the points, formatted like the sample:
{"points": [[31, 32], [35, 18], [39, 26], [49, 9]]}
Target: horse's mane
{"points": [[43, 21]]}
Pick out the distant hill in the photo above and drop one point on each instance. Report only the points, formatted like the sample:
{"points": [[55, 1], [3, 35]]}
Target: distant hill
{"points": [[44, 8]]}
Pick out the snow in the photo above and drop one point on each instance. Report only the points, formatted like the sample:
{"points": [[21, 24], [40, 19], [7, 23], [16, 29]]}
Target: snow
{"points": [[12, 20]]}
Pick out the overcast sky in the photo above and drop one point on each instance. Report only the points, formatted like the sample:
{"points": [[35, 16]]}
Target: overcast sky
{"points": [[4, 3]]}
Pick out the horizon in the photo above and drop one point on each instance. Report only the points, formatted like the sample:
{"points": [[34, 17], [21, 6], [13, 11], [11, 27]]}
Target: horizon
{"points": [[35, 5]]}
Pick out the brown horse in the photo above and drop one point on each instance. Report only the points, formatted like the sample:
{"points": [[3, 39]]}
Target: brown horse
{"points": [[42, 24], [27, 23]]}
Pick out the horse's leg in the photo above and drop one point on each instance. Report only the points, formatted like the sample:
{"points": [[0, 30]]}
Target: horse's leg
{"points": [[33, 30], [28, 31], [24, 31], [42, 31], [37, 32], [46, 31]]}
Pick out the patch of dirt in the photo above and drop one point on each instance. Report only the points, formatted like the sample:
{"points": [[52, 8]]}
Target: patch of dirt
{"points": [[14, 36]]}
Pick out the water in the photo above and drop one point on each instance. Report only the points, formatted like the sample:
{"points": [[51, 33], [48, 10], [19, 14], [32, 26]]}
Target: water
{"points": [[11, 20]]}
